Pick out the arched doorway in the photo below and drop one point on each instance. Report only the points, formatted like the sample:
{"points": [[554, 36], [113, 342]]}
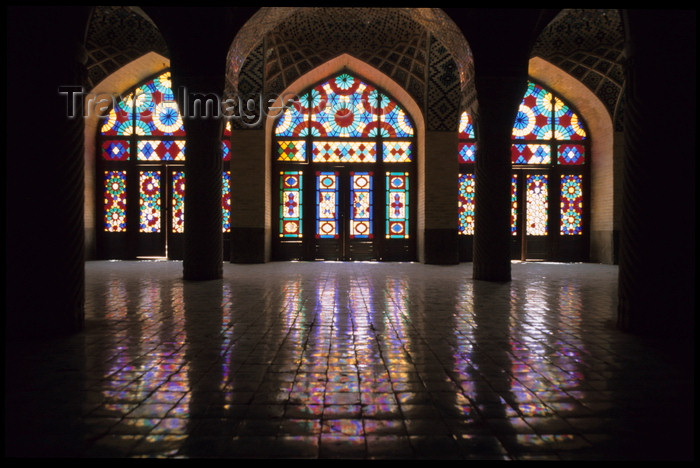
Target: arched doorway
{"points": [[550, 180], [344, 175]]}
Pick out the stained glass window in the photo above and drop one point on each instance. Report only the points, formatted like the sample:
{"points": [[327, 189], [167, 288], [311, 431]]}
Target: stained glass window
{"points": [[115, 201], [342, 120], [514, 204], [361, 205], [178, 202], [466, 204], [226, 201], [466, 157], [291, 204], [397, 200], [536, 203], [146, 126], [548, 135], [571, 208], [327, 205], [149, 201]]}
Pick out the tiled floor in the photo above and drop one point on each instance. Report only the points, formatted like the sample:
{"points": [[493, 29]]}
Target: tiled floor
{"points": [[349, 360]]}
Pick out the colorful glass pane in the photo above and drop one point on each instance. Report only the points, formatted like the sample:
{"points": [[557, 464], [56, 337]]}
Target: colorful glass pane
{"points": [[227, 128], [115, 150], [344, 151], [115, 201], [530, 154], [225, 150], [466, 127], [397, 201], [397, 151], [467, 152], [466, 205], [161, 150], [571, 154], [514, 204], [178, 202], [156, 111], [361, 205], [294, 122], [291, 150], [340, 107], [291, 204], [396, 119], [327, 205], [571, 207], [536, 204], [567, 125], [226, 201], [534, 121], [119, 119], [149, 201]]}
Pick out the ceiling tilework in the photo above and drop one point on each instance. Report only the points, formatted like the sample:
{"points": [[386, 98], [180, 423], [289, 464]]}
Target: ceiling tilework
{"points": [[116, 35], [589, 45]]}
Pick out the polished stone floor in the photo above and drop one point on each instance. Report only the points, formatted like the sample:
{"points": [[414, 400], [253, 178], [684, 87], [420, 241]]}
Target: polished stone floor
{"points": [[351, 361]]}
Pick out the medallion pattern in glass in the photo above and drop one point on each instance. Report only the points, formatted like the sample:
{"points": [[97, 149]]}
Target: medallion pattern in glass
{"points": [[178, 202], [465, 205], [571, 204], [226, 201], [291, 204], [327, 205], [534, 118], [397, 200], [149, 201], [361, 205], [536, 204], [115, 201]]}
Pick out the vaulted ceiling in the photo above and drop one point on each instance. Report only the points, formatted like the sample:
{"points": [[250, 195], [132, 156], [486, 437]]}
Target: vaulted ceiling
{"points": [[421, 49]]}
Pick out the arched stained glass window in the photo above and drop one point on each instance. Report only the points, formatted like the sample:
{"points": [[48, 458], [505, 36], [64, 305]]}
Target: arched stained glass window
{"points": [[549, 180], [141, 174], [344, 158]]}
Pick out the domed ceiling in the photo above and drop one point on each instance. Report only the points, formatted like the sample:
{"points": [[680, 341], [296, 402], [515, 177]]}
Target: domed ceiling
{"points": [[421, 49]]}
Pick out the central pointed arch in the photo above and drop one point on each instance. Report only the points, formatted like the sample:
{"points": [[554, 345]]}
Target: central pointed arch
{"points": [[348, 63]]}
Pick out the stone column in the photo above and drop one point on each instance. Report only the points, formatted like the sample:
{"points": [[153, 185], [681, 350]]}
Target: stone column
{"points": [[440, 205], [45, 281], [657, 240], [200, 107], [499, 97]]}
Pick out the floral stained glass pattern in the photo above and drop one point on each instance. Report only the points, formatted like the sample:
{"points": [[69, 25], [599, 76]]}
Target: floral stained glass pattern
{"points": [[115, 201], [149, 201], [514, 204], [226, 201], [156, 111], [327, 205], [178, 202], [534, 118], [361, 205], [291, 204], [567, 125], [536, 204], [571, 206], [341, 107], [465, 207], [397, 199]]}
